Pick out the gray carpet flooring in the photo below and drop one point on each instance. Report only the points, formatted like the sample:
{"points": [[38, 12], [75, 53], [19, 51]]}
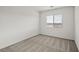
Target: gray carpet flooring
{"points": [[42, 43]]}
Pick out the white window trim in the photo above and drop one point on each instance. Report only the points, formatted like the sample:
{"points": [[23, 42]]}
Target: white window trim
{"points": [[53, 19]]}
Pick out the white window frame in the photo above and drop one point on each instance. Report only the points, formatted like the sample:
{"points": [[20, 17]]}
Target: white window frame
{"points": [[51, 19], [59, 18]]}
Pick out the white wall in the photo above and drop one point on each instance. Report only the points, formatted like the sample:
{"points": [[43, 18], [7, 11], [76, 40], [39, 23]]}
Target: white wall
{"points": [[67, 29], [16, 24], [77, 26]]}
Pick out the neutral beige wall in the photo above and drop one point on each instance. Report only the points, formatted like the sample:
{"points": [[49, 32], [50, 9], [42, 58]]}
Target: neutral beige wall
{"points": [[67, 29], [17, 24], [77, 26]]}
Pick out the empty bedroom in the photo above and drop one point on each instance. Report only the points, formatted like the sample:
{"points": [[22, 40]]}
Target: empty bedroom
{"points": [[39, 29]]}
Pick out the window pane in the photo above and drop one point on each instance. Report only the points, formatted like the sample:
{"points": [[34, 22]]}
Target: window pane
{"points": [[58, 19], [49, 19]]}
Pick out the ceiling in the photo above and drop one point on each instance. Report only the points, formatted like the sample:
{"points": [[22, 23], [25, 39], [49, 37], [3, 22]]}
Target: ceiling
{"points": [[26, 8], [43, 8]]}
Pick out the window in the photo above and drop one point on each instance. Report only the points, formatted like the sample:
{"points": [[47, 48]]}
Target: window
{"points": [[50, 19], [54, 19], [57, 19]]}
